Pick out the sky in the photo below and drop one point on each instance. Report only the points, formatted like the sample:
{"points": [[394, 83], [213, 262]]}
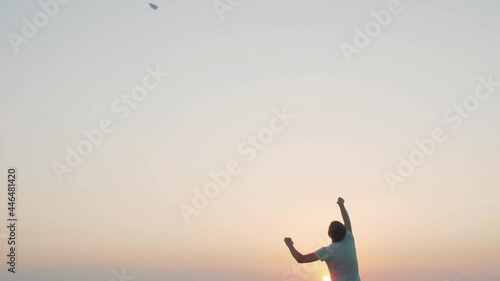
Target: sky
{"points": [[185, 143]]}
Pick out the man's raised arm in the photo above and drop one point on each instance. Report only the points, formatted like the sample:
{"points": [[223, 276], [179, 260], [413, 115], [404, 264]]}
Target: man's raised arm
{"points": [[345, 215]]}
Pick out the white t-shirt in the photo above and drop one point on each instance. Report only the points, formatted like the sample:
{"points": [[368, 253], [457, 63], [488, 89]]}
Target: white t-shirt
{"points": [[341, 259]]}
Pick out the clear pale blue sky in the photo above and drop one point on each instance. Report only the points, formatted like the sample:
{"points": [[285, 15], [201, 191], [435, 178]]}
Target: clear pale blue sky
{"points": [[120, 207]]}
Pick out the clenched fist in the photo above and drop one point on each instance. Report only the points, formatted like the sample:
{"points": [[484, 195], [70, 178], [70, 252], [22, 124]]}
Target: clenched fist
{"points": [[288, 241], [340, 201]]}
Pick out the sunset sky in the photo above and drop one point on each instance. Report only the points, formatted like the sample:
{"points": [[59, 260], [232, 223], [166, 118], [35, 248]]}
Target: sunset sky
{"points": [[229, 79]]}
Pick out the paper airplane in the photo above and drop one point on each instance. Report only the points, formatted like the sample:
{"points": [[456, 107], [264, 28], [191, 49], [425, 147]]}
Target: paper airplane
{"points": [[153, 6]]}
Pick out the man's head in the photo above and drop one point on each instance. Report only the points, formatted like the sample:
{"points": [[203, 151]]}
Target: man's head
{"points": [[337, 231]]}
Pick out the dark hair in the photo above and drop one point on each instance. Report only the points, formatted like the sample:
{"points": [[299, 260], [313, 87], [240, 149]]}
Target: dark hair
{"points": [[337, 231]]}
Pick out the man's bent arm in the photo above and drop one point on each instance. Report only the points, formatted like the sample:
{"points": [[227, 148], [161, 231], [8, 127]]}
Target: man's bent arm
{"points": [[300, 258]]}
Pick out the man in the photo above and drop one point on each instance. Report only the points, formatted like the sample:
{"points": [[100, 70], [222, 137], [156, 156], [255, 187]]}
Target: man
{"points": [[340, 256]]}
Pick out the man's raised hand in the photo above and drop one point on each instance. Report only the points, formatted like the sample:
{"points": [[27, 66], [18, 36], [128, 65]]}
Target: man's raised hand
{"points": [[288, 241], [340, 201], [345, 215]]}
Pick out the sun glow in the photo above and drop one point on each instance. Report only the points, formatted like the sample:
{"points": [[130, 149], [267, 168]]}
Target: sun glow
{"points": [[326, 278]]}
